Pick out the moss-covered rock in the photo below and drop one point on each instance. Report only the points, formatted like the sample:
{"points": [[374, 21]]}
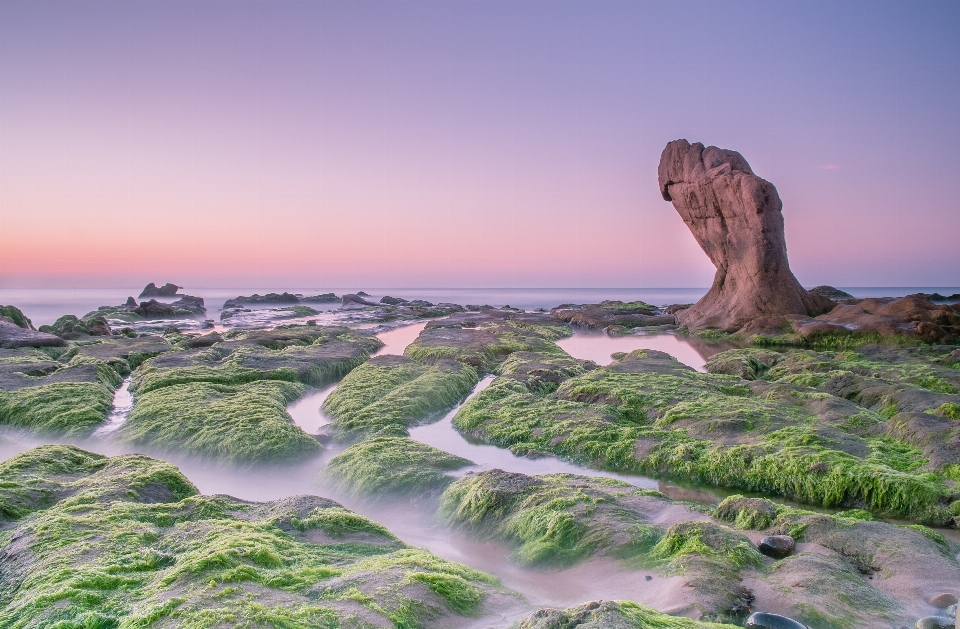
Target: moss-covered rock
{"points": [[314, 355], [241, 424], [392, 466], [648, 413], [16, 316], [483, 339], [389, 393], [90, 541], [611, 615], [71, 327], [556, 519]]}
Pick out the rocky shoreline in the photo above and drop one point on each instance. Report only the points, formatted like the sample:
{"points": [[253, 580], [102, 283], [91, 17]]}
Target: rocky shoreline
{"points": [[833, 426]]}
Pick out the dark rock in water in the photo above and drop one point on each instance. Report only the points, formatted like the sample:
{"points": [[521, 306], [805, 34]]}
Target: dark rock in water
{"points": [[269, 298], [830, 292], [13, 336], [764, 620], [348, 300], [319, 299], [15, 316], [360, 293], [98, 326], [936, 622], [943, 601], [131, 303], [420, 303], [191, 304], [393, 301], [777, 546], [153, 309], [167, 290], [942, 298], [736, 218]]}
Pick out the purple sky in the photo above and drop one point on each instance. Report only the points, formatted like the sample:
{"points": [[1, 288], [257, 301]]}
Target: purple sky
{"points": [[464, 143]]}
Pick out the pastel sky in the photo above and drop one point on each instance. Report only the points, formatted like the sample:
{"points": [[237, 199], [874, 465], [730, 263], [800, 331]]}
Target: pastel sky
{"points": [[466, 143]]}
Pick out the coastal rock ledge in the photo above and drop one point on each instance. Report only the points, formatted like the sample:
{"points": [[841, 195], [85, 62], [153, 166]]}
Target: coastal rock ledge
{"points": [[736, 218]]}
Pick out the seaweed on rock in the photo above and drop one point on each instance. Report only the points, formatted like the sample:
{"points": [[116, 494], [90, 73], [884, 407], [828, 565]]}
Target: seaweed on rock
{"points": [[389, 393], [239, 424], [392, 466], [92, 541], [612, 615], [648, 413]]}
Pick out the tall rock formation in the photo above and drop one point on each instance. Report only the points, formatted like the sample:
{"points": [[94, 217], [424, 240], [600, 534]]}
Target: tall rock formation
{"points": [[735, 217]]}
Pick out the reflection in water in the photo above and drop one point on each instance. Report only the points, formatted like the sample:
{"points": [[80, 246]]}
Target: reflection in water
{"points": [[306, 411], [122, 404], [597, 346], [397, 339]]}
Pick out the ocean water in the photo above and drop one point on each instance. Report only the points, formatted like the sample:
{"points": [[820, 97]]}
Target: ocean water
{"points": [[44, 305]]}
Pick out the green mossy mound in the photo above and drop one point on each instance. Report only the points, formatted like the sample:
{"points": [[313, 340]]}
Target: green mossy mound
{"points": [[245, 424], [68, 391], [483, 339], [16, 315], [388, 466], [91, 541], [389, 393], [70, 327], [648, 413], [556, 519], [314, 355], [611, 615], [225, 400]]}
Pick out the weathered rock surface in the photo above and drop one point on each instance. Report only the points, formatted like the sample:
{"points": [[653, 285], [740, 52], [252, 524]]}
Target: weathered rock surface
{"points": [[351, 300], [12, 336], [736, 218], [913, 315], [167, 290]]}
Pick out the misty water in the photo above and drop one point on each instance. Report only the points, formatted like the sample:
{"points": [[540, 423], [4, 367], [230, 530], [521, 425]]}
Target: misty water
{"points": [[414, 521]]}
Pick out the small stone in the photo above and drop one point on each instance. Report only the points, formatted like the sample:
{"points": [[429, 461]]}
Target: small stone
{"points": [[777, 546], [764, 620], [935, 622], [943, 601], [648, 578]]}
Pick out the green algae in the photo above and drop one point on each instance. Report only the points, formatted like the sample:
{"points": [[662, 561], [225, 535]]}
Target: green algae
{"points": [[70, 409], [612, 615], [556, 519], [484, 340], [707, 540], [389, 393], [127, 542], [391, 465], [16, 315], [236, 424], [648, 414]]}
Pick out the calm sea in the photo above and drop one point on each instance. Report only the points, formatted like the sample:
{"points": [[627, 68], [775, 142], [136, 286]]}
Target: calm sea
{"points": [[43, 306]]}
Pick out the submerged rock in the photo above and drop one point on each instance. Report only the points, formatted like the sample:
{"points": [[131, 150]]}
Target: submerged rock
{"points": [[167, 290], [736, 218]]}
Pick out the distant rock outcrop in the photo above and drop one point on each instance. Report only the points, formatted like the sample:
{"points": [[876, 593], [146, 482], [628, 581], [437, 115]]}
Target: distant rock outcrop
{"points": [[830, 292], [167, 290], [736, 218]]}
